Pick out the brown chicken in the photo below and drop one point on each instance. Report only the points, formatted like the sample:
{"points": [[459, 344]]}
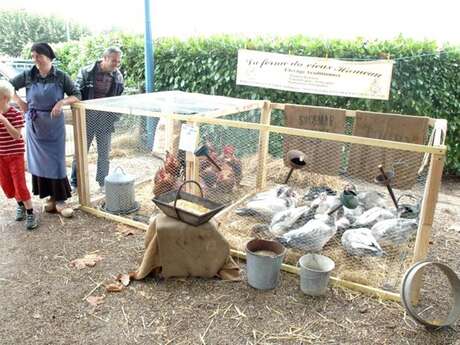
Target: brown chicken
{"points": [[164, 182], [172, 165], [229, 158], [226, 179]]}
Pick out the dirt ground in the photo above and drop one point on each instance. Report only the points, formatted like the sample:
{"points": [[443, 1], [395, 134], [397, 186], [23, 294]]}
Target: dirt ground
{"points": [[43, 299]]}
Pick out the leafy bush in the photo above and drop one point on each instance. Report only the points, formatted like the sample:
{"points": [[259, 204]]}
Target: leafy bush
{"points": [[425, 81]]}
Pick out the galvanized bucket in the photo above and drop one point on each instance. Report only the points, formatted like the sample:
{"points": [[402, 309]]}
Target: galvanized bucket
{"points": [[119, 192], [315, 270], [263, 263]]}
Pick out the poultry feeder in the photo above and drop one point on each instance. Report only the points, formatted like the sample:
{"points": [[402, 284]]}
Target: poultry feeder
{"points": [[119, 193], [167, 202], [384, 179], [203, 150], [296, 160], [407, 210], [348, 198]]}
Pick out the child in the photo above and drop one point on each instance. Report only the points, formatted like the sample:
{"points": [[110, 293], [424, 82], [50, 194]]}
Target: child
{"points": [[12, 174]]}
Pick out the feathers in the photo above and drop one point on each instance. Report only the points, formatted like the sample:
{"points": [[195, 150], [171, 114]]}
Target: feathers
{"points": [[361, 242]]}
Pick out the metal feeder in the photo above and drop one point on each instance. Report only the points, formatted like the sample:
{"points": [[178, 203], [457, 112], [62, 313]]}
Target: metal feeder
{"points": [[296, 160], [406, 210], [384, 179], [203, 151], [119, 193], [348, 198]]}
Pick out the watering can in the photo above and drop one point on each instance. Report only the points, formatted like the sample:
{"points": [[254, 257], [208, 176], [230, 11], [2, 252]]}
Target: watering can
{"points": [[203, 151]]}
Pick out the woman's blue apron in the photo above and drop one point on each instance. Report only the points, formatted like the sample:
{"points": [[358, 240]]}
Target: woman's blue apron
{"points": [[45, 134]]}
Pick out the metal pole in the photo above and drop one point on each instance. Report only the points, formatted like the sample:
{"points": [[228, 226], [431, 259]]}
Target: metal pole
{"points": [[148, 51], [151, 122]]}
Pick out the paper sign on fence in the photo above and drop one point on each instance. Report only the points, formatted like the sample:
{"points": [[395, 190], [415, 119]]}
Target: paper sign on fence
{"points": [[361, 79], [187, 137]]}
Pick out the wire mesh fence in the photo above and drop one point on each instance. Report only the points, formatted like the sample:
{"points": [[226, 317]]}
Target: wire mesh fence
{"points": [[356, 203]]}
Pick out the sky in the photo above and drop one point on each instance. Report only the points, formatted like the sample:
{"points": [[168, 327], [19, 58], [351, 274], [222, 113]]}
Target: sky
{"points": [[369, 19]]}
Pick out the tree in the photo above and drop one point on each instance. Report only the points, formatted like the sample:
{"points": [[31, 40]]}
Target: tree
{"points": [[19, 28]]}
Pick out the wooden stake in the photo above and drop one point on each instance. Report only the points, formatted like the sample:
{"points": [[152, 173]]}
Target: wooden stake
{"points": [[430, 199], [264, 136], [81, 153]]}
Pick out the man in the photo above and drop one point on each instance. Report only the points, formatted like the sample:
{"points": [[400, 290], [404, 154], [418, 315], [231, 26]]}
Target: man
{"points": [[98, 80]]}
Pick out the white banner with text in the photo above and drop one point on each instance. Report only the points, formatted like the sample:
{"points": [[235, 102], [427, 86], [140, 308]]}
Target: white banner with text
{"points": [[324, 76]]}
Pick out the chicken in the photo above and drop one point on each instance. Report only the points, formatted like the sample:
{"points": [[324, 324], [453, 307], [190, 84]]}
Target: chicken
{"points": [[361, 242], [395, 231], [225, 179], [312, 236], [172, 165], [164, 182], [228, 157]]}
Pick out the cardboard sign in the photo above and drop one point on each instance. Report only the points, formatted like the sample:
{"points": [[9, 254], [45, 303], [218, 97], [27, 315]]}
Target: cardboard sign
{"points": [[364, 160], [361, 79], [187, 137], [322, 156]]}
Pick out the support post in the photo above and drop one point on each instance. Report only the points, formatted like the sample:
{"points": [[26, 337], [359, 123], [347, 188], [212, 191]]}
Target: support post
{"points": [[430, 199], [264, 137], [81, 153]]}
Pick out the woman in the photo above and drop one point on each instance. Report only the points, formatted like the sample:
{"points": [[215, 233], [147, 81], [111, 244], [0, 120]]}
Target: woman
{"points": [[45, 127]]}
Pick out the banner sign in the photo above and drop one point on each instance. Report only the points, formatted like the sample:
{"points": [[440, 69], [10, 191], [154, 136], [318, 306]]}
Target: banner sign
{"points": [[324, 76]]}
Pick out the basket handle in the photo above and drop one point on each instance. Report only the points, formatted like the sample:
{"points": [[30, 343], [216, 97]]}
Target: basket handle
{"points": [[178, 193]]}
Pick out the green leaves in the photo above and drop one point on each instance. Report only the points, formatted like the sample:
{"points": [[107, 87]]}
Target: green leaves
{"points": [[425, 82]]}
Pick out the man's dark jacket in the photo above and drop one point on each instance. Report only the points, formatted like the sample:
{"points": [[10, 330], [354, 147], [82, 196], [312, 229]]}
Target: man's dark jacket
{"points": [[86, 80]]}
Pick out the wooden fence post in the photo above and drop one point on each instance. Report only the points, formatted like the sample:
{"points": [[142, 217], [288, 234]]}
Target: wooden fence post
{"points": [[81, 152], [264, 137]]}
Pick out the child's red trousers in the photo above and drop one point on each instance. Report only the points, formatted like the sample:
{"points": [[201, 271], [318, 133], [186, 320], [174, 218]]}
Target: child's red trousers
{"points": [[13, 177]]}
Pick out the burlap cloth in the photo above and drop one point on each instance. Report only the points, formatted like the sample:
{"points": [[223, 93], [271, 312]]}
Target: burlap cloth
{"points": [[176, 249]]}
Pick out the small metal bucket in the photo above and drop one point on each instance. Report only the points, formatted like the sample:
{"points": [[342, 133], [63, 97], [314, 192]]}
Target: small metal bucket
{"points": [[263, 270], [315, 270]]}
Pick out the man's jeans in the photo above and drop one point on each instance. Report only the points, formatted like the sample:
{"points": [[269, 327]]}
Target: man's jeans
{"points": [[103, 140]]}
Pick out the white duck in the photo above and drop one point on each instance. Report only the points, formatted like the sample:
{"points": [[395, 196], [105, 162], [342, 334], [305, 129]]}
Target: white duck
{"points": [[371, 199], [312, 236], [361, 242], [325, 203], [372, 216], [284, 220], [265, 205], [395, 231]]}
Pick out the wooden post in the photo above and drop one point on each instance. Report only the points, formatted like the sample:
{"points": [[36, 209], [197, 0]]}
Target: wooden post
{"points": [[192, 165], [264, 137], [81, 153], [430, 199]]}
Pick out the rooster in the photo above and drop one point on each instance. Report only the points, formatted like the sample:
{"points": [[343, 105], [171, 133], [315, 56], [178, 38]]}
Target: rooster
{"points": [[172, 165]]}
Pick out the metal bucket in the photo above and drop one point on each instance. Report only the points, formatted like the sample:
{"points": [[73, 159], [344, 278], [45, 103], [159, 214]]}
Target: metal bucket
{"points": [[315, 270], [263, 263]]}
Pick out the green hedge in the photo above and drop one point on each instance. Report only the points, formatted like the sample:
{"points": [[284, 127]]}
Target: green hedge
{"points": [[425, 81]]}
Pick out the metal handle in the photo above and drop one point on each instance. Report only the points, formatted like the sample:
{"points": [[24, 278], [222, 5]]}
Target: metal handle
{"points": [[119, 167], [178, 192]]}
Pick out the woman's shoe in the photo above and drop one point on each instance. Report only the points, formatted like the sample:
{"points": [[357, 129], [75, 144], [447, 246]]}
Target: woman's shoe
{"points": [[64, 210], [50, 206]]}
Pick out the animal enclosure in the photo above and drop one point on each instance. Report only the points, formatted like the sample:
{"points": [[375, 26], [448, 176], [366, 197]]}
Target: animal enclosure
{"points": [[350, 165]]}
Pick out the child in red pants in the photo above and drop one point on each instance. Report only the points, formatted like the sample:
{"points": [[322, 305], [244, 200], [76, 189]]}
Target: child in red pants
{"points": [[12, 172]]}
